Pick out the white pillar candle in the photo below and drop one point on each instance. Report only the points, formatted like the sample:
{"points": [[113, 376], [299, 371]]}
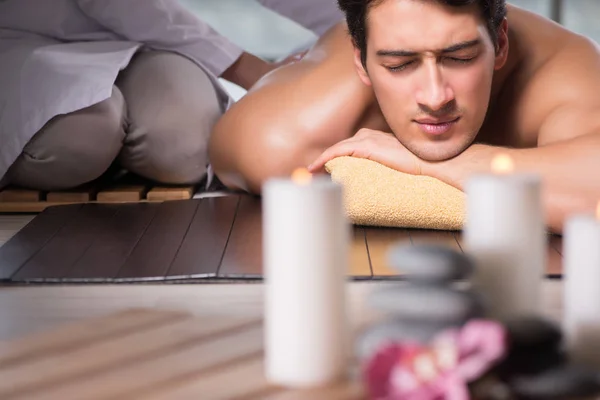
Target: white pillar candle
{"points": [[305, 248], [505, 233], [581, 291]]}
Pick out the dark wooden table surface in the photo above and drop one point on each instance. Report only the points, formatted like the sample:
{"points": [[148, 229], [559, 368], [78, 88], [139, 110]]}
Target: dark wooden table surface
{"points": [[214, 238]]}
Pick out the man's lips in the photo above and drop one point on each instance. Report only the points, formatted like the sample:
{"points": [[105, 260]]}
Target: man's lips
{"points": [[436, 126], [434, 121]]}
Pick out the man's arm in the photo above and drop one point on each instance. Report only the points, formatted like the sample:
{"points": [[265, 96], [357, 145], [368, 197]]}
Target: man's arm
{"points": [[569, 170]]}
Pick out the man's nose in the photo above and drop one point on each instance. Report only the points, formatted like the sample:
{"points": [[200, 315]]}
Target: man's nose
{"points": [[434, 93]]}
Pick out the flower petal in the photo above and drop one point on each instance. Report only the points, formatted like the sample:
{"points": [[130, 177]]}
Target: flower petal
{"points": [[481, 344]]}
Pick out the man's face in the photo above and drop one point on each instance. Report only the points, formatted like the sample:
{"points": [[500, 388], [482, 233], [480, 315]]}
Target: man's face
{"points": [[431, 69]]}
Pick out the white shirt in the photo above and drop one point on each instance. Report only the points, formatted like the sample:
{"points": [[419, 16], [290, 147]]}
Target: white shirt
{"points": [[59, 56]]}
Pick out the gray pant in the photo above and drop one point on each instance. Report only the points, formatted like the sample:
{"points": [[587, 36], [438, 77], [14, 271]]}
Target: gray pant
{"points": [[156, 124]]}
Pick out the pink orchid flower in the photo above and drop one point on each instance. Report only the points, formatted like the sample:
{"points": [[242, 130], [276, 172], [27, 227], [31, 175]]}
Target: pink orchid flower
{"points": [[440, 371]]}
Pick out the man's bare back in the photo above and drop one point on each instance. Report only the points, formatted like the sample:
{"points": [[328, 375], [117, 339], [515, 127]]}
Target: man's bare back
{"points": [[545, 92]]}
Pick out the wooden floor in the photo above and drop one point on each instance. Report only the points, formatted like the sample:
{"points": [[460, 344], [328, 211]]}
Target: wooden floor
{"points": [[160, 351], [206, 239], [159, 354], [11, 224]]}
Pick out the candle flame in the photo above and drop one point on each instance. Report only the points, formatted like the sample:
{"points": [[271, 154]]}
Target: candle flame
{"points": [[502, 164], [301, 175]]}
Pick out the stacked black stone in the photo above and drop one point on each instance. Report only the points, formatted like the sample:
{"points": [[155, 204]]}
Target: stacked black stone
{"points": [[537, 367], [427, 302]]}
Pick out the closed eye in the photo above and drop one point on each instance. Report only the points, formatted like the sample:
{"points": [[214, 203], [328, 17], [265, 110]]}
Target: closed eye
{"points": [[460, 60], [456, 60], [400, 67]]}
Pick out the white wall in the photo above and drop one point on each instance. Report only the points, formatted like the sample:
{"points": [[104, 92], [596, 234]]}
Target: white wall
{"points": [[253, 27], [265, 33]]}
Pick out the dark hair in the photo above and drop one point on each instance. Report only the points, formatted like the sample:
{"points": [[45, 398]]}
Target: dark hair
{"points": [[493, 12]]}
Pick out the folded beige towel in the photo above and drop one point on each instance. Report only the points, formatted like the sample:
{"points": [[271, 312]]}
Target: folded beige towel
{"points": [[376, 195]]}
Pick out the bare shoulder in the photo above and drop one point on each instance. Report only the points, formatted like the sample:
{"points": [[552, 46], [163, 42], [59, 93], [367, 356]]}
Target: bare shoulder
{"points": [[291, 115], [560, 90], [569, 84], [573, 72]]}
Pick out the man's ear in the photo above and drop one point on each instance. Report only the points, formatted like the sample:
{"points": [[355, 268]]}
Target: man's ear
{"points": [[362, 73], [503, 47]]}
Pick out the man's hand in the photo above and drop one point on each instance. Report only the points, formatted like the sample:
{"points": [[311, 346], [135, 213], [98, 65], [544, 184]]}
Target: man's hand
{"points": [[377, 146], [248, 68]]}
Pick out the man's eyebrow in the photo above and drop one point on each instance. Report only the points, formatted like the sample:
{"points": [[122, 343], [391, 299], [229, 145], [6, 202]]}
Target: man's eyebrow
{"points": [[451, 49]]}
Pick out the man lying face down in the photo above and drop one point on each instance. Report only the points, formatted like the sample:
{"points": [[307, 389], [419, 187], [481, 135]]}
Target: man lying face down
{"points": [[433, 87]]}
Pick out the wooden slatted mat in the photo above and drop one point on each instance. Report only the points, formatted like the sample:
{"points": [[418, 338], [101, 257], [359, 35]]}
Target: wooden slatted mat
{"points": [[216, 238], [125, 189]]}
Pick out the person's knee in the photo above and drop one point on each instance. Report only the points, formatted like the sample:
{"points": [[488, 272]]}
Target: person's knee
{"points": [[100, 132], [171, 119], [72, 149], [171, 150], [175, 155]]}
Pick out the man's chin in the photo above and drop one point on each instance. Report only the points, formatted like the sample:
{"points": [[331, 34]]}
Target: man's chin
{"points": [[437, 154]]}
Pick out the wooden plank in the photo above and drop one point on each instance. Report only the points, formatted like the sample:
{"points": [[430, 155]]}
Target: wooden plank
{"points": [[158, 246], [29, 240], [235, 380], [554, 263], [556, 241], [114, 243], [57, 257], [360, 266], [130, 348], [192, 357], [170, 193], [11, 225], [12, 194], [347, 390], [379, 242], [27, 207], [436, 237], [460, 240], [204, 244], [555, 257], [243, 253], [125, 193], [81, 194], [82, 333]]}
